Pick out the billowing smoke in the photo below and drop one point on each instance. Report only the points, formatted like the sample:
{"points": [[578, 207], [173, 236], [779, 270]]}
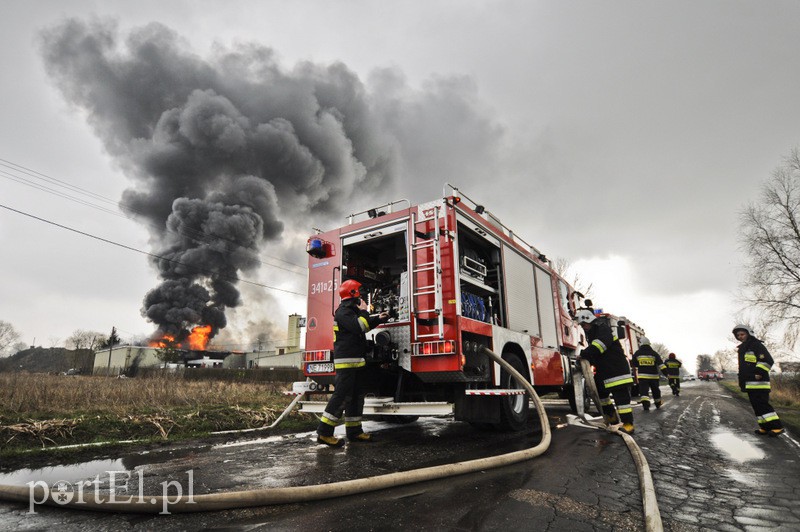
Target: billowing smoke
{"points": [[225, 151]]}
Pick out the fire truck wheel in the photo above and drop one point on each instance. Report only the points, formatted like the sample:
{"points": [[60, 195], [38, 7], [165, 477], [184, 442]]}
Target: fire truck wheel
{"points": [[514, 408], [397, 420]]}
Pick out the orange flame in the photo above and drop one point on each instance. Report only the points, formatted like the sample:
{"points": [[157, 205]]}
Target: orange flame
{"points": [[162, 342], [198, 339]]}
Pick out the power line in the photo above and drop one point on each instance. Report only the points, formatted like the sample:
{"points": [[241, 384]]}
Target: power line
{"points": [[189, 232], [229, 278]]}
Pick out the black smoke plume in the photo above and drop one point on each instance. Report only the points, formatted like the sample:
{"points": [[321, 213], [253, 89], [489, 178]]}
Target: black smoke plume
{"points": [[224, 151]]}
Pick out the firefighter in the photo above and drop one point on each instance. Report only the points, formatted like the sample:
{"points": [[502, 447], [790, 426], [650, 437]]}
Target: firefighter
{"points": [[674, 373], [754, 365], [350, 325], [613, 375], [648, 365]]}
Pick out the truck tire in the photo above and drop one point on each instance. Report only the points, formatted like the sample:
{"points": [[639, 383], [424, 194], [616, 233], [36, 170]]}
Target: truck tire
{"points": [[514, 409], [397, 419]]}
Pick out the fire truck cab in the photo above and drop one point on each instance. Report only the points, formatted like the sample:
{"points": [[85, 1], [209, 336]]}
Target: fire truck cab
{"points": [[454, 280]]}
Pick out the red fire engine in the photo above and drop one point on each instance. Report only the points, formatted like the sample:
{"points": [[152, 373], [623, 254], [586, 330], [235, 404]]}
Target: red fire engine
{"points": [[455, 280], [709, 375]]}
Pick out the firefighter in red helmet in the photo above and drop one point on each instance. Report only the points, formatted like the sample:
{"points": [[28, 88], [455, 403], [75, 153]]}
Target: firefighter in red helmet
{"points": [[350, 325], [674, 373]]}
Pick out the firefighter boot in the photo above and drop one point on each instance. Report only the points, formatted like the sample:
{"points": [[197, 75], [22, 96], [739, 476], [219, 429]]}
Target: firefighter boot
{"points": [[627, 428], [611, 419], [646, 403], [362, 437], [331, 441], [760, 432], [776, 432], [610, 414], [659, 402]]}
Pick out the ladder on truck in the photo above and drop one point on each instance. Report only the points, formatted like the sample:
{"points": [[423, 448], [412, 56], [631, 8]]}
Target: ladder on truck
{"points": [[422, 240]]}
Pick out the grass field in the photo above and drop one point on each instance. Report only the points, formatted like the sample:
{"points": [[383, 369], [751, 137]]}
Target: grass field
{"points": [[41, 410]]}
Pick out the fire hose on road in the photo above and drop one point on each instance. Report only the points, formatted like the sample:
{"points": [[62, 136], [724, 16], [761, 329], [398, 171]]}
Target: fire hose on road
{"points": [[652, 517], [268, 496]]}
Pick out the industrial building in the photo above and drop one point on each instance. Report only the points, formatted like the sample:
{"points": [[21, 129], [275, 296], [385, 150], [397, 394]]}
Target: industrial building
{"points": [[126, 359]]}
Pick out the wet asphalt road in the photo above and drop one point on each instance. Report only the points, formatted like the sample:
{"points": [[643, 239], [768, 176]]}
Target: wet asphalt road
{"points": [[710, 473]]}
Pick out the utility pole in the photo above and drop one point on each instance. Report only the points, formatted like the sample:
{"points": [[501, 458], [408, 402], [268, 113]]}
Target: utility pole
{"points": [[111, 348]]}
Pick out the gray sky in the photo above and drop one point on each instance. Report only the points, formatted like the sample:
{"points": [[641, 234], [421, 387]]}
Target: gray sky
{"points": [[623, 136]]}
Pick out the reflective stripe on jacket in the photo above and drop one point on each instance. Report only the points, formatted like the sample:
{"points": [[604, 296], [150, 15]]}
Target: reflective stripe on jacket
{"points": [[605, 353], [350, 326], [754, 361], [648, 363]]}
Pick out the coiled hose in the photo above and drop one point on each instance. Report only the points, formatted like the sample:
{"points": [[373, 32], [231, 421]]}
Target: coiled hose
{"points": [[267, 496]]}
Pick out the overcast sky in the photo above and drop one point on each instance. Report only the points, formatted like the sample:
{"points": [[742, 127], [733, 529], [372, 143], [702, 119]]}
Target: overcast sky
{"points": [[625, 137]]}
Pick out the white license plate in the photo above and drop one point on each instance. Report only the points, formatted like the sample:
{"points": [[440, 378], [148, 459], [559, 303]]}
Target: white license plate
{"points": [[320, 368]]}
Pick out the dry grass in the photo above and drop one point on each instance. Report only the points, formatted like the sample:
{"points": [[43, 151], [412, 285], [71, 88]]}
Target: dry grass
{"points": [[786, 390], [24, 394], [43, 431]]}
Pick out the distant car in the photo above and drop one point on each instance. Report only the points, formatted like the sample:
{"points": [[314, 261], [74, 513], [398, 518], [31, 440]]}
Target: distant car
{"points": [[73, 371]]}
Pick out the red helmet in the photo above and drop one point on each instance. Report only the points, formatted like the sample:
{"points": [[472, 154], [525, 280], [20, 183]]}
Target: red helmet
{"points": [[349, 289], [672, 355]]}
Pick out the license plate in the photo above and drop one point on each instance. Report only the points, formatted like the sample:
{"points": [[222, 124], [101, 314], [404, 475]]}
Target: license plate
{"points": [[320, 368]]}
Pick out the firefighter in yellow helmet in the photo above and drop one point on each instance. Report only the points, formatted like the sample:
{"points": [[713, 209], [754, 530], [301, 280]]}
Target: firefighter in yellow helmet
{"points": [[351, 323], [754, 365], [613, 377]]}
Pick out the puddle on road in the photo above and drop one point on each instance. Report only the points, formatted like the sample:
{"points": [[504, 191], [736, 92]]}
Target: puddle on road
{"points": [[90, 470], [735, 447], [68, 473]]}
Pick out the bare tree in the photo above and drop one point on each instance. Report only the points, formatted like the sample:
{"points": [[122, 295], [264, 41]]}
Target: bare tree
{"points": [[705, 362], [771, 240], [81, 339], [563, 267], [8, 336], [726, 360], [661, 349]]}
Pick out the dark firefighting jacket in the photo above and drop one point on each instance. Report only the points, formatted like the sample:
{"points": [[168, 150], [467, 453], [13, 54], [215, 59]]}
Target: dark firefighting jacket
{"points": [[648, 363], [606, 355], [350, 325], [754, 359], [673, 368]]}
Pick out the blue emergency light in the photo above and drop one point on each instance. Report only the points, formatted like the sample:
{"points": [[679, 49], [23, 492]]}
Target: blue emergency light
{"points": [[318, 248]]}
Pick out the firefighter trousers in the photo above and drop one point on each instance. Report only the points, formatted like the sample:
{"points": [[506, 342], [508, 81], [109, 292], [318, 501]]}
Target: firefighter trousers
{"points": [[347, 399], [765, 415], [646, 386], [622, 399], [675, 384]]}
